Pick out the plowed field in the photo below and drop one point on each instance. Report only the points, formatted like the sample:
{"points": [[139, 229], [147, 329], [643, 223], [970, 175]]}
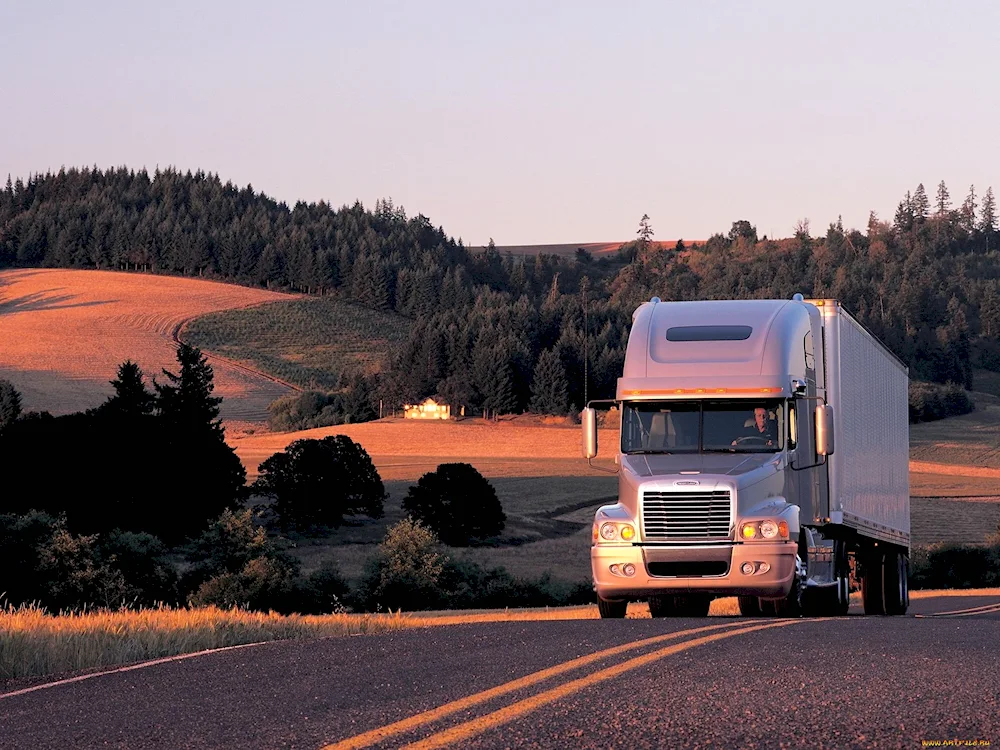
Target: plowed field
{"points": [[64, 333]]}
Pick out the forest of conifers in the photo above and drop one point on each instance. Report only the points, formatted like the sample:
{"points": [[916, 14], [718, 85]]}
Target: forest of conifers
{"points": [[506, 334]]}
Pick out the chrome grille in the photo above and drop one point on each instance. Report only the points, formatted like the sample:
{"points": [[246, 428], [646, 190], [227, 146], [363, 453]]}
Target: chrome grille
{"points": [[694, 516]]}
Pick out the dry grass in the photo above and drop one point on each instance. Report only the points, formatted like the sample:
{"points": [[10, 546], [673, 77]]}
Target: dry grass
{"points": [[64, 333], [33, 642]]}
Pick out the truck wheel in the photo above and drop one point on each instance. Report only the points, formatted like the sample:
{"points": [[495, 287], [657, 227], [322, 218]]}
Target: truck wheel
{"points": [[749, 606], [873, 584], [662, 606], [692, 606], [895, 584], [611, 610]]}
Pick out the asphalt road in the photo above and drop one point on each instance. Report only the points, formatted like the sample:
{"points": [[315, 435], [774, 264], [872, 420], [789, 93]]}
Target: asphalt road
{"points": [[846, 682]]}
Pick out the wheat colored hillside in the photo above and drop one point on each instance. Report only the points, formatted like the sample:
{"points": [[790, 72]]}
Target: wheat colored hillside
{"points": [[64, 333]]}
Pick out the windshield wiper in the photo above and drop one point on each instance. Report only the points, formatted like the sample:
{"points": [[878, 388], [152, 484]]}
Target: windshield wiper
{"points": [[647, 452]]}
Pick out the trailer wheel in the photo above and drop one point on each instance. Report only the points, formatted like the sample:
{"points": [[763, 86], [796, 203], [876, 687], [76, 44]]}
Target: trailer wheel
{"points": [[749, 606], [895, 584], [611, 610], [873, 583]]}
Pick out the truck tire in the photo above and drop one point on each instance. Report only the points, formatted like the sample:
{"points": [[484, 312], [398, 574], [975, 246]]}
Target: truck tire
{"points": [[611, 610], [873, 583], [831, 601], [895, 586], [662, 606], [749, 606], [692, 605]]}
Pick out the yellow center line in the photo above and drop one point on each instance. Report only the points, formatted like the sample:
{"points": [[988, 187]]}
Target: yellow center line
{"points": [[981, 610], [417, 720], [520, 708]]}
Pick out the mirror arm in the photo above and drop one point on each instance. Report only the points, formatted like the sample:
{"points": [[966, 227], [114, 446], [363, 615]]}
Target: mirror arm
{"points": [[590, 462]]}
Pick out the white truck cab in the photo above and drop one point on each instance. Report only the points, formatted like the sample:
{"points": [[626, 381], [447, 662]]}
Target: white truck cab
{"points": [[729, 480]]}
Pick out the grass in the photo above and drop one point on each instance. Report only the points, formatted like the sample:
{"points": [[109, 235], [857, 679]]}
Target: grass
{"points": [[971, 440], [34, 642], [308, 342]]}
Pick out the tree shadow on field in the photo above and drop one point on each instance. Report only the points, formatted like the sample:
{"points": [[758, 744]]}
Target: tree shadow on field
{"points": [[45, 300]]}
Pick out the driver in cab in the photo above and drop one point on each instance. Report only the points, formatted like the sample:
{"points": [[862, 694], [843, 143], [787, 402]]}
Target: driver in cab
{"points": [[761, 429]]}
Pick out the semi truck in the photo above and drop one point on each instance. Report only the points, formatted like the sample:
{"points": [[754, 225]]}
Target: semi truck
{"points": [[764, 454]]}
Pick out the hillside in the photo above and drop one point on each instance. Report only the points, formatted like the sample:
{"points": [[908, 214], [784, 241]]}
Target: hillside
{"points": [[64, 333], [307, 342]]}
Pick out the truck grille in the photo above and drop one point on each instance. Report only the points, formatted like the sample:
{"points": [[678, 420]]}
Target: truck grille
{"points": [[694, 516]]}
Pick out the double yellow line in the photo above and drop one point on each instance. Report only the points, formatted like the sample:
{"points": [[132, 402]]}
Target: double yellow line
{"points": [[519, 708], [985, 609]]}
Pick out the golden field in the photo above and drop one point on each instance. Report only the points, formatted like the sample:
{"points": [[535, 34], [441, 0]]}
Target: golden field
{"points": [[64, 333]]}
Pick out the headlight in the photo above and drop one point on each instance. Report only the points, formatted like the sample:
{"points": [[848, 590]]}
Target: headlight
{"points": [[612, 532], [767, 529]]}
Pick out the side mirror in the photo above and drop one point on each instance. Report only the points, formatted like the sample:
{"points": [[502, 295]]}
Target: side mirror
{"points": [[588, 419], [824, 430]]}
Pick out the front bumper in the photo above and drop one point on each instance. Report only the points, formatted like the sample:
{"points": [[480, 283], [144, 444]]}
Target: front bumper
{"points": [[776, 582]]}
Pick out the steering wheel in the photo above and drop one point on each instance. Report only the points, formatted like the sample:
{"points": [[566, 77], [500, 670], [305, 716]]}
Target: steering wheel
{"points": [[755, 439]]}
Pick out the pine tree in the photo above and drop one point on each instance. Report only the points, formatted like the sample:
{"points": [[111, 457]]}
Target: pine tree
{"points": [[968, 212], [131, 398], [186, 400], [645, 233], [988, 216], [921, 206], [549, 389], [989, 312], [943, 201], [10, 404]]}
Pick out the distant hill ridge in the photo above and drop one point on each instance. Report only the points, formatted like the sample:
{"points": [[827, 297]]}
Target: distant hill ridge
{"points": [[568, 249]]}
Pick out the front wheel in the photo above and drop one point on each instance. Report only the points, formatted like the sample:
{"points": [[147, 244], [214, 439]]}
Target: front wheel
{"points": [[749, 606], [611, 610], [692, 605]]}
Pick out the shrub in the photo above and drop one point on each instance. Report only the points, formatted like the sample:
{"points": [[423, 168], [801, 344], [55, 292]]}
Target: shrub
{"points": [[406, 570], [955, 567], [303, 411], [324, 591], [148, 577], [931, 401], [468, 585], [457, 503], [236, 565], [318, 482]]}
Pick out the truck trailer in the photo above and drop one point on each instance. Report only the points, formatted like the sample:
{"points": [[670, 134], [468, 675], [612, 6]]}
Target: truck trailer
{"points": [[764, 454]]}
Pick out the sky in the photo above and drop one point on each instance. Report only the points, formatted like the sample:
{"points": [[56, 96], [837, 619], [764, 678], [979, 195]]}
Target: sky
{"points": [[524, 122]]}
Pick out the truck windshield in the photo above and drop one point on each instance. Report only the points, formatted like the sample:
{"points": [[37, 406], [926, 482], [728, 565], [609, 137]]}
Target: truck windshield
{"points": [[703, 426]]}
